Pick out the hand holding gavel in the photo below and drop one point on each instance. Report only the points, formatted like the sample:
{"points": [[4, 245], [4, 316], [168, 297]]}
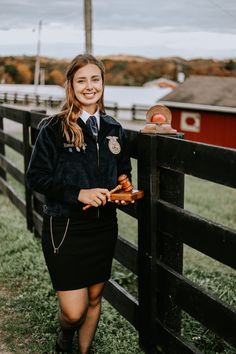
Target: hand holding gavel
{"points": [[124, 184]]}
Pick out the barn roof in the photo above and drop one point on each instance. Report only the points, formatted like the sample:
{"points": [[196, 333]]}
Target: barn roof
{"points": [[209, 90]]}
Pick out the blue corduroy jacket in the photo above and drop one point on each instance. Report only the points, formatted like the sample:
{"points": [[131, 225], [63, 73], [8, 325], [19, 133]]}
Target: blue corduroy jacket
{"points": [[58, 170]]}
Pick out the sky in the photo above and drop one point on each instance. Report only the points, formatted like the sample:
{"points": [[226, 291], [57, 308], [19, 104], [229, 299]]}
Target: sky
{"points": [[149, 28]]}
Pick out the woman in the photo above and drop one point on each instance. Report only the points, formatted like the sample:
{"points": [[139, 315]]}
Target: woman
{"points": [[77, 158]]}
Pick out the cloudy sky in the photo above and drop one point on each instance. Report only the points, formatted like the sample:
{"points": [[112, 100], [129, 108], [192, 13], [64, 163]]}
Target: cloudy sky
{"points": [[151, 28]]}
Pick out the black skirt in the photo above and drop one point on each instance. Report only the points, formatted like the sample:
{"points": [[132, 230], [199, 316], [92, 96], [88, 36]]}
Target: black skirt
{"points": [[84, 257]]}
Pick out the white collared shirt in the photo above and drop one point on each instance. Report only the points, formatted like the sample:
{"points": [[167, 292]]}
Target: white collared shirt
{"points": [[85, 116]]}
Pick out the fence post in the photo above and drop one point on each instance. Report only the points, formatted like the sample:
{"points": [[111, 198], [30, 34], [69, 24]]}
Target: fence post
{"points": [[2, 150], [170, 252], [37, 98], [116, 110], [33, 133], [26, 99], [147, 226], [133, 109], [15, 97], [27, 154]]}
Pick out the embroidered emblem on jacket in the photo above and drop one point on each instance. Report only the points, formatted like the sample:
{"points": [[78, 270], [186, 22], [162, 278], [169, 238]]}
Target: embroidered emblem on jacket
{"points": [[114, 145]]}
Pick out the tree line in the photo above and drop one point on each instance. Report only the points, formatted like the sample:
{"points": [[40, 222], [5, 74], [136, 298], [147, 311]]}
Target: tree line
{"points": [[120, 70]]}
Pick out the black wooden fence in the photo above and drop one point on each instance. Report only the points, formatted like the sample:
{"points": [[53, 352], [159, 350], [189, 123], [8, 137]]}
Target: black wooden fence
{"points": [[163, 227]]}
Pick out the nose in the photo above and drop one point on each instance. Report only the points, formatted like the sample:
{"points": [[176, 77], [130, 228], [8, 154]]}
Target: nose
{"points": [[89, 85]]}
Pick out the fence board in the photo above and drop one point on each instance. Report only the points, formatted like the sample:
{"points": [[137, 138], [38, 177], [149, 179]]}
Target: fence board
{"points": [[130, 209], [39, 196], [212, 239], [205, 161], [35, 118], [13, 114], [204, 307], [126, 253], [14, 143], [173, 343], [9, 167], [11, 194], [123, 302]]}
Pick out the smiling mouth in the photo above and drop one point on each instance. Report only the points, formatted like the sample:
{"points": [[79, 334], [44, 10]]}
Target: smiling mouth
{"points": [[89, 94]]}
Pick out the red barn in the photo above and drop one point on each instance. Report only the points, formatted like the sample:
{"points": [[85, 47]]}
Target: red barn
{"points": [[204, 109]]}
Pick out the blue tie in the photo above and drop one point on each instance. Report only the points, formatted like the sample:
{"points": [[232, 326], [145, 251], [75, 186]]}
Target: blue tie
{"points": [[93, 126]]}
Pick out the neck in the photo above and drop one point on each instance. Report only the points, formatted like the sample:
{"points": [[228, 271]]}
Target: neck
{"points": [[91, 110]]}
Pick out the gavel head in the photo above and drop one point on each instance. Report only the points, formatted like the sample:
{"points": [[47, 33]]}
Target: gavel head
{"points": [[125, 183]]}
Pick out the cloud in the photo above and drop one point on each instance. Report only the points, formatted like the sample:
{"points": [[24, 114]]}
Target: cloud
{"points": [[150, 28], [122, 14]]}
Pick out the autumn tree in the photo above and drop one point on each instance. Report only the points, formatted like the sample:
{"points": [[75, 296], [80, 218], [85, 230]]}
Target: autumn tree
{"points": [[25, 73], [55, 77], [11, 74]]}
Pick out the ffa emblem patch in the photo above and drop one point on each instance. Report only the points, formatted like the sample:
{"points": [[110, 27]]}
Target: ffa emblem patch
{"points": [[113, 144]]}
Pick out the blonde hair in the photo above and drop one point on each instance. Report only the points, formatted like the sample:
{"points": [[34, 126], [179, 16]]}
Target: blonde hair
{"points": [[71, 107]]}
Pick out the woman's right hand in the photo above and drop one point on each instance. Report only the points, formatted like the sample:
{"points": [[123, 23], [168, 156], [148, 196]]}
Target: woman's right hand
{"points": [[94, 196]]}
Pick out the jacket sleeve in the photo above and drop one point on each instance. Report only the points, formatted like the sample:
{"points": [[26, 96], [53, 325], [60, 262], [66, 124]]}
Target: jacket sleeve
{"points": [[124, 163], [43, 174]]}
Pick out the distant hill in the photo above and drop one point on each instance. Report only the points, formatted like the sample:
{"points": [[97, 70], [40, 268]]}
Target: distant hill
{"points": [[120, 69]]}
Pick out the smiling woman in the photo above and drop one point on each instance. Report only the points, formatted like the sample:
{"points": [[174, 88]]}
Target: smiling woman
{"points": [[73, 164]]}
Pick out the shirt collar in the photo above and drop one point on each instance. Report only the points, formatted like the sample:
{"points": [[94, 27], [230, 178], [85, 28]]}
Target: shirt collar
{"points": [[85, 116]]}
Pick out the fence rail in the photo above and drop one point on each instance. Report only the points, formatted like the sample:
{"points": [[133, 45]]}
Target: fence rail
{"points": [[163, 291], [133, 112], [27, 99]]}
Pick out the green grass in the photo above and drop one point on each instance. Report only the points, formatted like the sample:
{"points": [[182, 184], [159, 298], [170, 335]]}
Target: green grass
{"points": [[28, 307]]}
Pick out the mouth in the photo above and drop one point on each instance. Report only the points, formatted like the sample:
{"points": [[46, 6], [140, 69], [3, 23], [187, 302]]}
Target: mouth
{"points": [[89, 94]]}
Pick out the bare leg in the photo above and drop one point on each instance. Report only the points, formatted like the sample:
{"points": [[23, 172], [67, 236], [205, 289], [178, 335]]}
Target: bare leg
{"points": [[89, 326], [73, 309]]}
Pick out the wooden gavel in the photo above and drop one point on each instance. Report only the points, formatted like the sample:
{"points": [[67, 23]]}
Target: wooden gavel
{"points": [[124, 183]]}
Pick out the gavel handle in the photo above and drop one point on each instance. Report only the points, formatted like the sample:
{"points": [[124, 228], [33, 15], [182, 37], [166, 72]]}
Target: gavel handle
{"points": [[117, 188]]}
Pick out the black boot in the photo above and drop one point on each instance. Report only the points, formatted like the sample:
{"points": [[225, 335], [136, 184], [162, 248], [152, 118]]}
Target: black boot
{"points": [[64, 341]]}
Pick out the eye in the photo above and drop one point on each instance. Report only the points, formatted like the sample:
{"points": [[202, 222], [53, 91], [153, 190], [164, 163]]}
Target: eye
{"points": [[80, 81]]}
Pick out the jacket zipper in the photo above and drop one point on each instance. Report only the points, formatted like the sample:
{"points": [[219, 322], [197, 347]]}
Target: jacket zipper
{"points": [[97, 144]]}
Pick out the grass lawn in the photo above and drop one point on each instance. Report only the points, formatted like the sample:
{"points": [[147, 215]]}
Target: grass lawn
{"points": [[28, 307]]}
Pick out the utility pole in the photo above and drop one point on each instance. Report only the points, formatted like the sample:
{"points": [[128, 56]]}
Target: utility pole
{"points": [[37, 61], [88, 26]]}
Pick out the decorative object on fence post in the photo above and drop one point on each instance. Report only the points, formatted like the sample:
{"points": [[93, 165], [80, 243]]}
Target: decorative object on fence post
{"points": [[158, 121]]}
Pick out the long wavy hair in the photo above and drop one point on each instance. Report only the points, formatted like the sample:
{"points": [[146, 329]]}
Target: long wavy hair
{"points": [[71, 107]]}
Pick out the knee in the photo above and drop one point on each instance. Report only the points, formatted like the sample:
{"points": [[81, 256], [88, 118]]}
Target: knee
{"points": [[94, 301], [73, 317]]}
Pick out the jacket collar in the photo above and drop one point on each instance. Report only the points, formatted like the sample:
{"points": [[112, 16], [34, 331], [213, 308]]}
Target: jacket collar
{"points": [[105, 123]]}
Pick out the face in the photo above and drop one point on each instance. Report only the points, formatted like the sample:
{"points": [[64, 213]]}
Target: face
{"points": [[88, 87]]}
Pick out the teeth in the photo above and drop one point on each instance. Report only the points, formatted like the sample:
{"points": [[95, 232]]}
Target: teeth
{"points": [[89, 94]]}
